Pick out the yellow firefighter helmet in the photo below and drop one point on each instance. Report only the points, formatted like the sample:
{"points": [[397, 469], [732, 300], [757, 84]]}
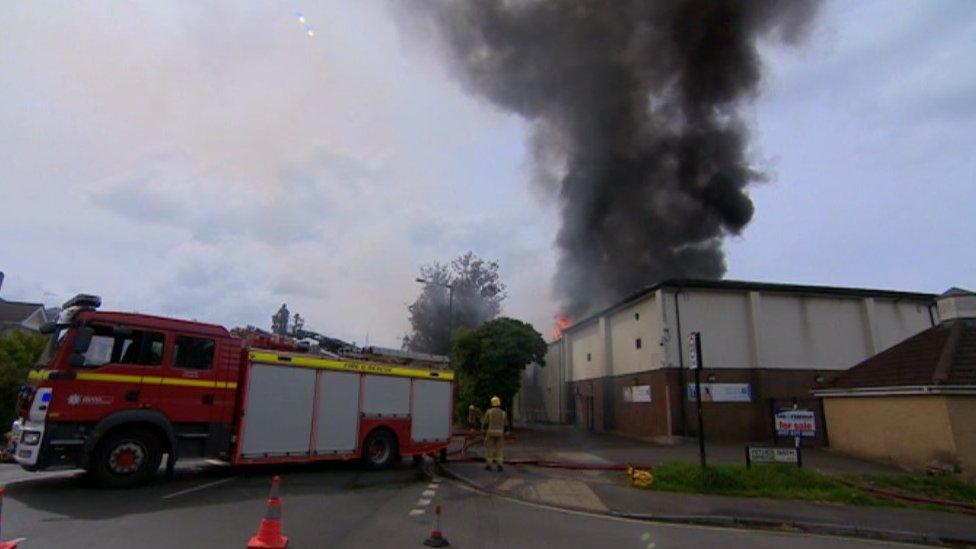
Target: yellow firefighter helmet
{"points": [[495, 401]]}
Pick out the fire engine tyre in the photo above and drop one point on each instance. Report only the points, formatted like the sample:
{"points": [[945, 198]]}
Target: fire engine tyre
{"points": [[380, 449], [125, 459]]}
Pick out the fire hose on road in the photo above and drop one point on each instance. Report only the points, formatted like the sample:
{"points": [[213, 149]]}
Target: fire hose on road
{"points": [[458, 456], [962, 507]]}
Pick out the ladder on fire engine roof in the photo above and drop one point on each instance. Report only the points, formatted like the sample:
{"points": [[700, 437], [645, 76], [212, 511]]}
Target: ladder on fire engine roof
{"points": [[366, 364], [404, 355]]}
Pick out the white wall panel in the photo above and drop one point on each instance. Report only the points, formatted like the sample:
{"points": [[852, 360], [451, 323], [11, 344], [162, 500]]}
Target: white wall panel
{"points": [[837, 331], [583, 342], [625, 329], [723, 320], [896, 321]]}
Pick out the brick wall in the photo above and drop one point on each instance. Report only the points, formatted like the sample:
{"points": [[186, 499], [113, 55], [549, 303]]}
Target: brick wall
{"points": [[599, 403]]}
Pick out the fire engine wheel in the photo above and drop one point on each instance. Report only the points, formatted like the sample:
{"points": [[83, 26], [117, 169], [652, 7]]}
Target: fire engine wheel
{"points": [[380, 449], [126, 459]]}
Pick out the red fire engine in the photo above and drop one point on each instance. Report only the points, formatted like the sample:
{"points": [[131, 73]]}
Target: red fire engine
{"points": [[114, 392]]}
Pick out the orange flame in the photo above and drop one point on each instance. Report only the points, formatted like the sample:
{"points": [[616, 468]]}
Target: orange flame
{"points": [[563, 321]]}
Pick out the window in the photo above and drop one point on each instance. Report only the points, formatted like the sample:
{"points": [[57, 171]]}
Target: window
{"points": [[193, 353], [588, 357], [636, 316], [118, 345], [637, 343]]}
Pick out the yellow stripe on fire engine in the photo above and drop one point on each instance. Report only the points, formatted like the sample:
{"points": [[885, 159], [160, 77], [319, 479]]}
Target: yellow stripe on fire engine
{"points": [[150, 380], [331, 364]]}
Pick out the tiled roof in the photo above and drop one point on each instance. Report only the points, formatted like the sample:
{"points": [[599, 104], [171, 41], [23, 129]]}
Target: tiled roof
{"points": [[942, 355], [15, 312], [956, 292]]}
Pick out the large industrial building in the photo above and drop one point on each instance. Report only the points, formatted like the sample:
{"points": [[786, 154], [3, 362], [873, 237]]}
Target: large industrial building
{"points": [[625, 369]]}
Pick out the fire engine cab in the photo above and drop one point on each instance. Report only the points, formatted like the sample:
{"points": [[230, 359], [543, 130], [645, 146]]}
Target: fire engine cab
{"points": [[114, 392]]}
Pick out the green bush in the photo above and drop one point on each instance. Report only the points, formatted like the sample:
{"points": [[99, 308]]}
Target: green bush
{"points": [[489, 362], [18, 352]]}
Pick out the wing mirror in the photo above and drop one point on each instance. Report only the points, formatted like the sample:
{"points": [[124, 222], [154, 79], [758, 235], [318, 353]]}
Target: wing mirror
{"points": [[83, 337], [48, 328]]}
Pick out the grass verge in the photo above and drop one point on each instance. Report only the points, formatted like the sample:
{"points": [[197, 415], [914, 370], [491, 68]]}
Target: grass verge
{"points": [[947, 488], [766, 480]]}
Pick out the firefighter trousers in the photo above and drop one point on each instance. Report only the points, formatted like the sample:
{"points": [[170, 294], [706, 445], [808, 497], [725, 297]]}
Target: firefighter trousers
{"points": [[494, 449]]}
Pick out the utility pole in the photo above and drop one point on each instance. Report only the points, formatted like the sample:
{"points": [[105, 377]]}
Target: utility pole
{"points": [[694, 350]]}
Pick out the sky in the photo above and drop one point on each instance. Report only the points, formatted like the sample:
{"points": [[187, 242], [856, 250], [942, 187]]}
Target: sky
{"points": [[211, 160]]}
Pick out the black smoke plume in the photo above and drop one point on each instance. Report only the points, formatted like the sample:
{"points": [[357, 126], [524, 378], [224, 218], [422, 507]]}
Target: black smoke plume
{"points": [[634, 106]]}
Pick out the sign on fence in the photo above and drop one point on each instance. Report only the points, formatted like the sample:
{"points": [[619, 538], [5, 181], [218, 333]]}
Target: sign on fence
{"points": [[796, 423], [637, 393], [694, 360], [722, 392], [773, 455]]}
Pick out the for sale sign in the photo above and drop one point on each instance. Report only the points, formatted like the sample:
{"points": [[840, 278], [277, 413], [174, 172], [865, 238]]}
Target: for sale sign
{"points": [[796, 423]]}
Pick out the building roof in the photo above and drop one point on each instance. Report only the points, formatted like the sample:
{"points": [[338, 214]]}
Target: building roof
{"points": [[15, 312], [745, 285], [942, 355], [956, 292]]}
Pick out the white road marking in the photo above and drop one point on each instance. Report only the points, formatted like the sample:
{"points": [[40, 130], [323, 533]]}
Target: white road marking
{"points": [[423, 502], [432, 486], [428, 493], [217, 462], [197, 488], [415, 512]]}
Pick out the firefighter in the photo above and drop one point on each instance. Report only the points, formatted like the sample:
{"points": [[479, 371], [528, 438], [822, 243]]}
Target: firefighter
{"points": [[494, 425], [475, 415]]}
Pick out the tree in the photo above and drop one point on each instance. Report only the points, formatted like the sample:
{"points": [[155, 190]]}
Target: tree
{"points": [[490, 359], [279, 321], [478, 294], [18, 353]]}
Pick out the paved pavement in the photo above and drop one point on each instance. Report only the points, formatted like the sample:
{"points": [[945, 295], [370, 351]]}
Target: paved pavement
{"points": [[329, 506], [608, 492], [569, 443]]}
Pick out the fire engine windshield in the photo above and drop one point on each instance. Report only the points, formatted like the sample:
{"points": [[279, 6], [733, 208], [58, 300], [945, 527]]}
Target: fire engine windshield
{"points": [[54, 342]]}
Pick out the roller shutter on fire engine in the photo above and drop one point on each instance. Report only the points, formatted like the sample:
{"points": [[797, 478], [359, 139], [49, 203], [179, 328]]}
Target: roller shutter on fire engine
{"points": [[386, 396], [431, 416], [278, 419], [338, 419]]}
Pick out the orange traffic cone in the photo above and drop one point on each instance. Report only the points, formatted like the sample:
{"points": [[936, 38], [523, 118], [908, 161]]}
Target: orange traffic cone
{"points": [[269, 532], [436, 538]]}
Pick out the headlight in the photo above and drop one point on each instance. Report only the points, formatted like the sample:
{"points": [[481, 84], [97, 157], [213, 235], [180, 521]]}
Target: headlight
{"points": [[30, 438]]}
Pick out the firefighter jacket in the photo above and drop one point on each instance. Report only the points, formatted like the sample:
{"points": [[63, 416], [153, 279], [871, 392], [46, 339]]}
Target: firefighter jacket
{"points": [[494, 421]]}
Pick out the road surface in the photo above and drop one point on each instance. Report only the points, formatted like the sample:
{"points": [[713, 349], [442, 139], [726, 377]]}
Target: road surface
{"points": [[330, 505]]}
